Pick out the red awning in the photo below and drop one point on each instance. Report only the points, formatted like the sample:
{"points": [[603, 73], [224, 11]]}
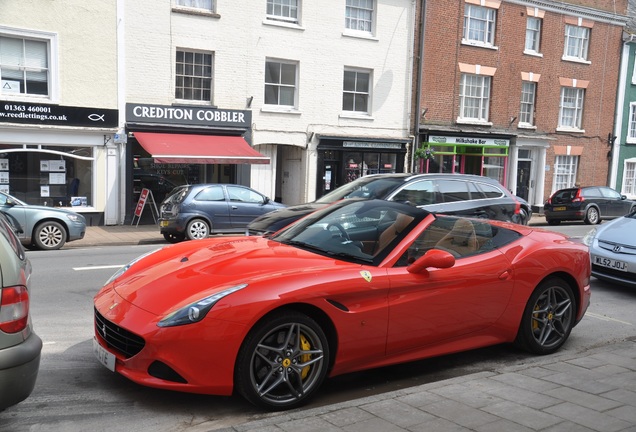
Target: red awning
{"points": [[199, 149]]}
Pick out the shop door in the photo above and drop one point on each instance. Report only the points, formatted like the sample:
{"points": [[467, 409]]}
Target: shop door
{"points": [[523, 178], [330, 177]]}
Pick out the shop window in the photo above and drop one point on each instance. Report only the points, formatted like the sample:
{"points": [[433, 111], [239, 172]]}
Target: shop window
{"points": [[25, 66], [194, 76], [280, 83], [359, 15], [54, 177], [283, 10]]}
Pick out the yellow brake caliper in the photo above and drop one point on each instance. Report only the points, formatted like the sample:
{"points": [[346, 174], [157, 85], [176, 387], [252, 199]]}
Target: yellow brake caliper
{"points": [[306, 346]]}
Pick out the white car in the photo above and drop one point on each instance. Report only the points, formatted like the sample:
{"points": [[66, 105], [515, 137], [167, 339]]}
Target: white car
{"points": [[613, 250]]}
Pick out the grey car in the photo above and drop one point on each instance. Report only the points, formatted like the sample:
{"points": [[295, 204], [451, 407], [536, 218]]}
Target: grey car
{"points": [[194, 212], [41, 227], [20, 347]]}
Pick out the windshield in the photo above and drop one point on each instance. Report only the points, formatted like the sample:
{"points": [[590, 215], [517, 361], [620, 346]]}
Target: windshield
{"points": [[360, 231], [363, 187]]}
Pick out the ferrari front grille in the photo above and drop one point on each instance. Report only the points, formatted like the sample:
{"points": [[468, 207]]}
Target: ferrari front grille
{"points": [[117, 338]]}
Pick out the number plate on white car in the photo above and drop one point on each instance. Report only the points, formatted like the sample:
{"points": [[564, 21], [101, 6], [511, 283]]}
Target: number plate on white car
{"points": [[104, 357], [610, 263]]}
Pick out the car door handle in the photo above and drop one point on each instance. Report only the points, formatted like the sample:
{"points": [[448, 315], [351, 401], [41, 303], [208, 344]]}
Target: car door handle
{"points": [[504, 275], [234, 207]]}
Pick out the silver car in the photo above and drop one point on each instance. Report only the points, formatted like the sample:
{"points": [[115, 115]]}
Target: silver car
{"points": [[613, 250], [20, 347], [42, 227]]}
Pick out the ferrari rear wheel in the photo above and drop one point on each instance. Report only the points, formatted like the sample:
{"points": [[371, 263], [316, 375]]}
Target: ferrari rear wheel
{"points": [[548, 317], [282, 362]]}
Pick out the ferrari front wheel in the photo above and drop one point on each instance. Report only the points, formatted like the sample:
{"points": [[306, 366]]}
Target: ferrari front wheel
{"points": [[282, 362], [548, 317]]}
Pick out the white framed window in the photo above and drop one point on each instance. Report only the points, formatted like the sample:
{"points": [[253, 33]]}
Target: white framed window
{"points": [[203, 5], [359, 15], [533, 35], [631, 127], [528, 97], [281, 79], [356, 93], [284, 10], [565, 169], [193, 76], [26, 65], [474, 97], [629, 178], [571, 108], [479, 25], [576, 44]]}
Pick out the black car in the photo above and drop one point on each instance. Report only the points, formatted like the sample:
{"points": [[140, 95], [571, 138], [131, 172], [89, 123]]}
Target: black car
{"points": [[455, 194], [589, 204]]}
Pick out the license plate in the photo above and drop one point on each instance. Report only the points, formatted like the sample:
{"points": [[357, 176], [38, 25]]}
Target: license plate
{"points": [[610, 263], [163, 224], [559, 209], [104, 357]]}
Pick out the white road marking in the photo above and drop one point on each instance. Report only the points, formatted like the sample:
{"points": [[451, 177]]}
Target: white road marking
{"points": [[604, 318], [116, 266]]}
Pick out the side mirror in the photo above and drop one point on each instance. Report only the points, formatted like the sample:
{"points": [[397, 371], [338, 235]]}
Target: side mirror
{"points": [[9, 202], [433, 258], [266, 200]]}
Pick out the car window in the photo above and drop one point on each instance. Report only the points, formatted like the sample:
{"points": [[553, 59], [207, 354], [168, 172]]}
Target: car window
{"points": [[592, 192], [212, 193], [364, 187], [565, 195], [239, 194], [490, 191], [610, 193], [9, 234], [418, 193], [452, 190]]}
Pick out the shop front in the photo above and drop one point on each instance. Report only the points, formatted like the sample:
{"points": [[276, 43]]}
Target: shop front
{"points": [[170, 146], [57, 156], [344, 159]]}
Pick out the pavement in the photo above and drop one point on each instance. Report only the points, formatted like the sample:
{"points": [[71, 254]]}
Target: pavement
{"points": [[585, 390]]}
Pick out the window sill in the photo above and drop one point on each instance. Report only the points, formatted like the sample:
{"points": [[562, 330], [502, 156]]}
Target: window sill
{"points": [[630, 140], [570, 130], [283, 24], [476, 122], [526, 126], [478, 44], [181, 102], [359, 35], [533, 53], [576, 60], [355, 116], [197, 12], [280, 110]]}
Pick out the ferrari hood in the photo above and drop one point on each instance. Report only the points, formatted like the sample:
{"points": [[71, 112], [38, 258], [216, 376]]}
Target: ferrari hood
{"points": [[193, 270]]}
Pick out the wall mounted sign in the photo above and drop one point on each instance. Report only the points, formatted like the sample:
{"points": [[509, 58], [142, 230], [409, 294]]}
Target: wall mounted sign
{"points": [[57, 115]]}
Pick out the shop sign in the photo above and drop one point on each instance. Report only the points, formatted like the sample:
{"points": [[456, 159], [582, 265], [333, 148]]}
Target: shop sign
{"points": [[57, 115], [372, 144], [476, 141], [187, 115]]}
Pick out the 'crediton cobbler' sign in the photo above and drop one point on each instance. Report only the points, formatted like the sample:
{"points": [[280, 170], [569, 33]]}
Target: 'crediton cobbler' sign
{"points": [[187, 115], [56, 115]]}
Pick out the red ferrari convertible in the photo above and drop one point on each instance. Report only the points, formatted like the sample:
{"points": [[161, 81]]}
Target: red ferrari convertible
{"points": [[357, 285]]}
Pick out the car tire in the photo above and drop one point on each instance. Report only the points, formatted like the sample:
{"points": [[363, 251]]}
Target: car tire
{"points": [[49, 235], [548, 318], [174, 237], [197, 229], [592, 216], [282, 362], [553, 221], [523, 217]]}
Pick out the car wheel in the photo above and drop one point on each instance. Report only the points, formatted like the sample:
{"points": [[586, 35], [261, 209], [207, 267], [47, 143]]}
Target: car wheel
{"points": [[174, 237], [523, 217], [282, 362], [49, 235], [197, 229], [548, 317], [592, 216], [553, 221]]}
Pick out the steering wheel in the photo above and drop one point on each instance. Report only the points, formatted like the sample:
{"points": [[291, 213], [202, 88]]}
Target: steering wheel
{"points": [[343, 233]]}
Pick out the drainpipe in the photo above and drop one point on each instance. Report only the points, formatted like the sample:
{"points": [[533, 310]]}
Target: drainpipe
{"points": [[418, 87]]}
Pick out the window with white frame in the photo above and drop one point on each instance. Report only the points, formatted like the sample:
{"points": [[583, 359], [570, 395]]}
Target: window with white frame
{"points": [[533, 34], [528, 95], [356, 91], [280, 83], [565, 169], [193, 75], [359, 15], [629, 178], [204, 5], [479, 25], [474, 97], [571, 107], [631, 128], [24, 66], [576, 44], [283, 10]]}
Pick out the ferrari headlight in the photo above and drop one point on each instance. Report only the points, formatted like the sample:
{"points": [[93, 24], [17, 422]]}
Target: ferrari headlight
{"points": [[588, 239], [195, 312], [125, 268]]}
